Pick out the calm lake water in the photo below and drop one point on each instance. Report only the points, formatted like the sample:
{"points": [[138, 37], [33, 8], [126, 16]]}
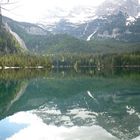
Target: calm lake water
{"points": [[84, 104]]}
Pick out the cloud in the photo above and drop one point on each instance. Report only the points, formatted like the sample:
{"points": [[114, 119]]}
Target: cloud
{"points": [[33, 10], [37, 130]]}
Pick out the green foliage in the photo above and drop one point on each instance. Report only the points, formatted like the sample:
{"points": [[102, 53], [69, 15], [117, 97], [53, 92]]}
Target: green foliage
{"points": [[63, 43], [24, 60], [22, 74], [8, 44], [50, 43], [95, 60], [45, 43], [127, 60], [8, 92], [109, 46]]}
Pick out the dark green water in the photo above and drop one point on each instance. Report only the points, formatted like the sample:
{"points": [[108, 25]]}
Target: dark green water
{"points": [[86, 104]]}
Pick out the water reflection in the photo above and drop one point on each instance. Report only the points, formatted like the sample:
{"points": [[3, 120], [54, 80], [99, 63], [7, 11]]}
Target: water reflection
{"points": [[37, 130], [10, 92], [67, 105], [9, 128]]}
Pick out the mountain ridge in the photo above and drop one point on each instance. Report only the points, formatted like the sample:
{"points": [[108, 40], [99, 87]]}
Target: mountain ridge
{"points": [[105, 33], [65, 43], [95, 22]]}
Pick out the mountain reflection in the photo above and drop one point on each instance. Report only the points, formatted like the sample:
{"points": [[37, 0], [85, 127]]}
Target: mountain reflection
{"points": [[90, 99], [10, 92]]}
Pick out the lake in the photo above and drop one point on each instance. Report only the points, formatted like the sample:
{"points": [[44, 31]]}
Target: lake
{"points": [[67, 104]]}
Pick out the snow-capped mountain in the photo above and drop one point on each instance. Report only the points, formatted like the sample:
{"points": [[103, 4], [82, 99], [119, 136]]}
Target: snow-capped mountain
{"points": [[117, 19], [112, 19], [109, 7], [76, 15], [82, 14]]}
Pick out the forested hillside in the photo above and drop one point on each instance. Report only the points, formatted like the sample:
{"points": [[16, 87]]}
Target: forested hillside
{"points": [[41, 41], [8, 44]]}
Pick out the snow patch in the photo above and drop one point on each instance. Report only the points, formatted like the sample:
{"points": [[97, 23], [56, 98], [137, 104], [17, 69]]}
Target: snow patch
{"points": [[29, 67], [130, 110], [90, 95], [130, 20], [83, 113], [36, 67], [90, 36], [5, 67], [76, 15]]}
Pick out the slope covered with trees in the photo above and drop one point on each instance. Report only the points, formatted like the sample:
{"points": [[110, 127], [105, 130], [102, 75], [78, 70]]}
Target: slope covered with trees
{"points": [[44, 42], [8, 44]]}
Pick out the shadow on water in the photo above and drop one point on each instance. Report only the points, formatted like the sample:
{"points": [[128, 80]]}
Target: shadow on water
{"points": [[109, 98]]}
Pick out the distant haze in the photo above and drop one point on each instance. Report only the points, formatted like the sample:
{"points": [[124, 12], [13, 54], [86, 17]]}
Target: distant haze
{"points": [[34, 10]]}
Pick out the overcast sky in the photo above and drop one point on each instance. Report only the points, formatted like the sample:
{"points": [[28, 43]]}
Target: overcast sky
{"points": [[33, 10]]}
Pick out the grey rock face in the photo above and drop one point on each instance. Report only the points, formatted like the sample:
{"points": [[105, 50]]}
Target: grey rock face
{"points": [[129, 7]]}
